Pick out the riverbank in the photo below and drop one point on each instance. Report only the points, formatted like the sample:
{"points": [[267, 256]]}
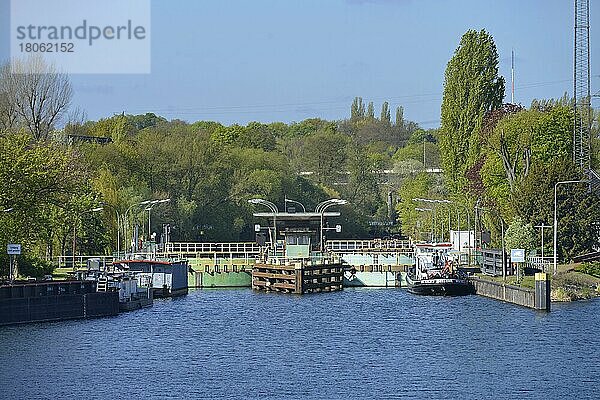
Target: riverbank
{"points": [[576, 282], [572, 282]]}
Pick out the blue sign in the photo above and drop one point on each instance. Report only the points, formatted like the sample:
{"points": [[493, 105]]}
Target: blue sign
{"points": [[517, 255], [13, 249]]}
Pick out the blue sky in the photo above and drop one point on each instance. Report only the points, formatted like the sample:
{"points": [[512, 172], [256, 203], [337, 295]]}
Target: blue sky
{"points": [[237, 61]]}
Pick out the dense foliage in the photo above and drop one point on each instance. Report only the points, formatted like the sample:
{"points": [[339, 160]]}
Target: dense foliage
{"points": [[78, 189], [471, 87]]}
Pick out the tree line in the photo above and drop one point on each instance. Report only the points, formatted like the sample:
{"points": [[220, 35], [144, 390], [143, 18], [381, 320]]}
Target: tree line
{"points": [[64, 190], [505, 159]]}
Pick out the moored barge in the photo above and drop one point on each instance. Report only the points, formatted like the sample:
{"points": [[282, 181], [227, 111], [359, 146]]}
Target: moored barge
{"points": [[54, 301], [167, 278], [434, 273]]}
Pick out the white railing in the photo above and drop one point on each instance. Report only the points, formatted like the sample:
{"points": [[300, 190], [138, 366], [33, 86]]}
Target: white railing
{"points": [[81, 261], [540, 262], [369, 245], [249, 248]]}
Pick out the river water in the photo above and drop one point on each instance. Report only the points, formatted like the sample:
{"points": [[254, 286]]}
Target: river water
{"points": [[359, 343]]}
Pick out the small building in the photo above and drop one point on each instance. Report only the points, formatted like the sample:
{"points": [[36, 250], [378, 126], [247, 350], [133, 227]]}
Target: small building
{"points": [[295, 260]]}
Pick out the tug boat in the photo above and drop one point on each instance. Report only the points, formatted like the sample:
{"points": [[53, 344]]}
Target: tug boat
{"points": [[434, 273]]}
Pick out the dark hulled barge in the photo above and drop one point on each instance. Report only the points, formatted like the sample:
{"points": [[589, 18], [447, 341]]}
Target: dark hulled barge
{"points": [[434, 273]]}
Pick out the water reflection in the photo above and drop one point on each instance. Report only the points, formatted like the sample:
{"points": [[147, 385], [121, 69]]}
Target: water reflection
{"points": [[358, 343]]}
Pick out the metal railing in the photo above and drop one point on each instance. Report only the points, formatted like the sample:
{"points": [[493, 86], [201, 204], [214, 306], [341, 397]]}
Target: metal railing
{"points": [[369, 245], [242, 248], [315, 260], [81, 261], [543, 263]]}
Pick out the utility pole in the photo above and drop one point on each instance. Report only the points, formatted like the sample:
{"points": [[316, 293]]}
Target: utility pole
{"points": [[542, 226]]}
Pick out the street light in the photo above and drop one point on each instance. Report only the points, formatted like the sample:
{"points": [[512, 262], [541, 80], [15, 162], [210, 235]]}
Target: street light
{"points": [[503, 249], [286, 200], [468, 228], [149, 209], [274, 210], [556, 220], [322, 206], [74, 230], [126, 218], [542, 226], [437, 201], [11, 260], [427, 209]]}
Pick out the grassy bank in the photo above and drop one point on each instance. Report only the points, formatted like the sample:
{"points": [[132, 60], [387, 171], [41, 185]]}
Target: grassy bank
{"points": [[572, 282]]}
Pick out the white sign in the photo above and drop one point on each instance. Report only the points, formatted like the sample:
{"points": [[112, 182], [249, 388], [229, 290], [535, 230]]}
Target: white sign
{"points": [[256, 228], [338, 228], [517, 255], [13, 249]]}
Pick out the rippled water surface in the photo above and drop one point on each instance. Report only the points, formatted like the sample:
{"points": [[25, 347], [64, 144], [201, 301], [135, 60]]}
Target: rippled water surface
{"points": [[360, 343]]}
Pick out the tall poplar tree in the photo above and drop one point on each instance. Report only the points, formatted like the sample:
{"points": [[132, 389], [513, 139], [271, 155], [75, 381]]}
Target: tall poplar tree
{"points": [[399, 116], [371, 111], [385, 113], [471, 87]]}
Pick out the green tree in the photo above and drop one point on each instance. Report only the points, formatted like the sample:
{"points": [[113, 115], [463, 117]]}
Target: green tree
{"points": [[362, 190], [578, 208], [371, 111], [519, 235], [399, 116], [386, 117], [471, 87], [43, 184], [357, 111], [517, 142], [324, 155], [415, 223]]}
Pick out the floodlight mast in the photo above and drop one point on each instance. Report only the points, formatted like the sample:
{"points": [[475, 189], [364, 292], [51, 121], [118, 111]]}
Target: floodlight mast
{"points": [[274, 210], [321, 207]]}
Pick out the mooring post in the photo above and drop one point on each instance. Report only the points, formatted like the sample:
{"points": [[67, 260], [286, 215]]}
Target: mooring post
{"points": [[299, 272], [542, 291]]}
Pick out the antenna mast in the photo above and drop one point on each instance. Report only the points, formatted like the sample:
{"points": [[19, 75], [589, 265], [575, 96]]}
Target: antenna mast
{"points": [[512, 73], [581, 86]]}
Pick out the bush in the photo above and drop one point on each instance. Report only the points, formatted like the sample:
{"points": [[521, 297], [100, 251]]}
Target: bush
{"points": [[34, 267], [590, 269]]}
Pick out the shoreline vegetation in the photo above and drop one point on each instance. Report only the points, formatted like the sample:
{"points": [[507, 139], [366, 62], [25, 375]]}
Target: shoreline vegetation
{"points": [[572, 282], [71, 186]]}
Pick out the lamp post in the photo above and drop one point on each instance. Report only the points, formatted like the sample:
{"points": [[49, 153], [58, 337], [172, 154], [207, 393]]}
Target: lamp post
{"points": [[149, 209], [502, 237], [126, 217], [11, 257], [427, 209], [437, 201], [556, 220], [322, 206], [74, 230], [104, 205], [274, 210], [542, 226], [286, 200], [468, 228]]}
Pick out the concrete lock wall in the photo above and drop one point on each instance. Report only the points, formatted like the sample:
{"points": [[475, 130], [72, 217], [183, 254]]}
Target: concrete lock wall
{"points": [[514, 294]]}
